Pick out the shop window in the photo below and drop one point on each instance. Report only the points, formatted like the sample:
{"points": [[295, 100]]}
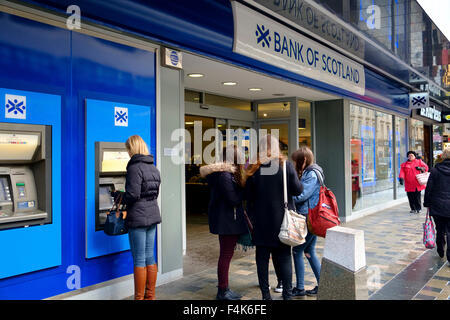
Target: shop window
{"points": [[416, 137], [438, 133], [372, 157], [232, 103]]}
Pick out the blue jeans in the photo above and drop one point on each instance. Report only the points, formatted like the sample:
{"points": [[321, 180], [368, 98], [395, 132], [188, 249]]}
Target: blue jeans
{"points": [[142, 245], [309, 249]]}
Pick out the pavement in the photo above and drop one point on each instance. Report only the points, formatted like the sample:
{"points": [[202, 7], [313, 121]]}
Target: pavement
{"points": [[396, 259]]}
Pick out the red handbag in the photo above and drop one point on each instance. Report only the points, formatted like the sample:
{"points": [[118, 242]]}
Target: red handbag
{"points": [[325, 214]]}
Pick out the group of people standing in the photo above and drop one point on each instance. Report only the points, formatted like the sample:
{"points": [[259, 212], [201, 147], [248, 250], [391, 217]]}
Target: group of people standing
{"points": [[258, 189]]}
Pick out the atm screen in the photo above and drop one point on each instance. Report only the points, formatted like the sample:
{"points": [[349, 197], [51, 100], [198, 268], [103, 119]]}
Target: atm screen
{"points": [[105, 201], [5, 194], [18, 146], [115, 161]]}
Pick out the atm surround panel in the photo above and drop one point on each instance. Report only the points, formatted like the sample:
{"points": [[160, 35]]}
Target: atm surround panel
{"points": [[25, 184]]}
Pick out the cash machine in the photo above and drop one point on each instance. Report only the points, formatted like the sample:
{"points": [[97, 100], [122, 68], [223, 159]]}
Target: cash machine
{"points": [[111, 160], [25, 175]]}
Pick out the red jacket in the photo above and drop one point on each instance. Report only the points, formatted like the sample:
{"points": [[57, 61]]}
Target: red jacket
{"points": [[408, 173]]}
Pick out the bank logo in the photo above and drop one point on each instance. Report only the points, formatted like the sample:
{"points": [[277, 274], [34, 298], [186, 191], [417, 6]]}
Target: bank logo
{"points": [[15, 106], [121, 117], [263, 36], [419, 101], [174, 58]]}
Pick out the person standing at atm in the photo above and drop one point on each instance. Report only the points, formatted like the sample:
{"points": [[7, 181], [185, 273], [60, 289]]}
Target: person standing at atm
{"points": [[140, 196]]}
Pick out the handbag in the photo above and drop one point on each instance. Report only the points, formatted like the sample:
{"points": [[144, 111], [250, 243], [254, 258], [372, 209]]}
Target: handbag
{"points": [[325, 214], [429, 234], [115, 220], [245, 240], [293, 229], [422, 178]]}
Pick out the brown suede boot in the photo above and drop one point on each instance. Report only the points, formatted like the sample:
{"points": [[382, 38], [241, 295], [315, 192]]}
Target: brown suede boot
{"points": [[140, 278], [152, 272]]}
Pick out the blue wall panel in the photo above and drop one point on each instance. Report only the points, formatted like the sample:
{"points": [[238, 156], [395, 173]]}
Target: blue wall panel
{"points": [[41, 58], [100, 126], [37, 247]]}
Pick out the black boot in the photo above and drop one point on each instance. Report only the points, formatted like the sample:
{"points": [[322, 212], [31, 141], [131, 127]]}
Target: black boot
{"points": [[227, 294]]}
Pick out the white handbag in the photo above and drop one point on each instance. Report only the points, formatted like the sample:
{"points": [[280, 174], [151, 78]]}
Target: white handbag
{"points": [[294, 229], [422, 178]]}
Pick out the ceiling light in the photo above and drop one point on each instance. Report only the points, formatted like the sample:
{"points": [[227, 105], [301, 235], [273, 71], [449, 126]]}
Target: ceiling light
{"points": [[196, 75], [229, 83], [265, 114], [254, 89], [189, 123]]}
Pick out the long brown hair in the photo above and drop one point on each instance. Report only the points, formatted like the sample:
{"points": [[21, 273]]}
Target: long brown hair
{"points": [[267, 144], [302, 156], [235, 152]]}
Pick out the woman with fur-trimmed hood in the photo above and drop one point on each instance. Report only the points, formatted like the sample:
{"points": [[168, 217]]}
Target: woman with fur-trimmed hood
{"points": [[225, 211], [265, 205]]}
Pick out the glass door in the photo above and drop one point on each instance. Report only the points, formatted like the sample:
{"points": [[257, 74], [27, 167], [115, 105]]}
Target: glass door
{"points": [[279, 129], [274, 116]]}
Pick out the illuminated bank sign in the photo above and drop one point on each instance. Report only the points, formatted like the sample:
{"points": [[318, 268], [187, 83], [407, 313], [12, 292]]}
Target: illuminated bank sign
{"points": [[265, 40], [431, 113]]}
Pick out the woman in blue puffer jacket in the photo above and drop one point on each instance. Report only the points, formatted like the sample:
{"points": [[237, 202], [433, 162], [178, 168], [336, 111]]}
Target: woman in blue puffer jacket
{"points": [[311, 176]]}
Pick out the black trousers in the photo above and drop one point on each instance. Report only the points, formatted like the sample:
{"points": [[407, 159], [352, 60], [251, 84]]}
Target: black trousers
{"points": [[414, 199], [282, 262], [442, 232]]}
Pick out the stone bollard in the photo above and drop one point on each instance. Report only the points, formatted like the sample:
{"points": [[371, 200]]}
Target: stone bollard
{"points": [[343, 272]]}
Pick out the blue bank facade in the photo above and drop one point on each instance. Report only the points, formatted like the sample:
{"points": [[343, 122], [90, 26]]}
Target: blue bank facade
{"points": [[77, 81]]}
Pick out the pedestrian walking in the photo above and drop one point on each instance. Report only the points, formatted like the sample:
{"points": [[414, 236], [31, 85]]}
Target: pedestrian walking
{"points": [[265, 200], [226, 212], [140, 196], [437, 200], [309, 173], [408, 171]]}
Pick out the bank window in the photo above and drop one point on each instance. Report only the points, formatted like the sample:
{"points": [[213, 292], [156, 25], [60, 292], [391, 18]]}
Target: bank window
{"points": [[304, 123], [372, 157], [192, 96], [274, 110], [232, 103], [402, 144]]}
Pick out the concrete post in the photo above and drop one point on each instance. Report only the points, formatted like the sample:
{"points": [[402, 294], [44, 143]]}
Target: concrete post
{"points": [[343, 273]]}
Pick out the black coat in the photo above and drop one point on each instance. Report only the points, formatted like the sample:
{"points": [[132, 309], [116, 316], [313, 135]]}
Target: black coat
{"points": [[141, 192], [225, 210], [265, 202], [437, 193]]}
